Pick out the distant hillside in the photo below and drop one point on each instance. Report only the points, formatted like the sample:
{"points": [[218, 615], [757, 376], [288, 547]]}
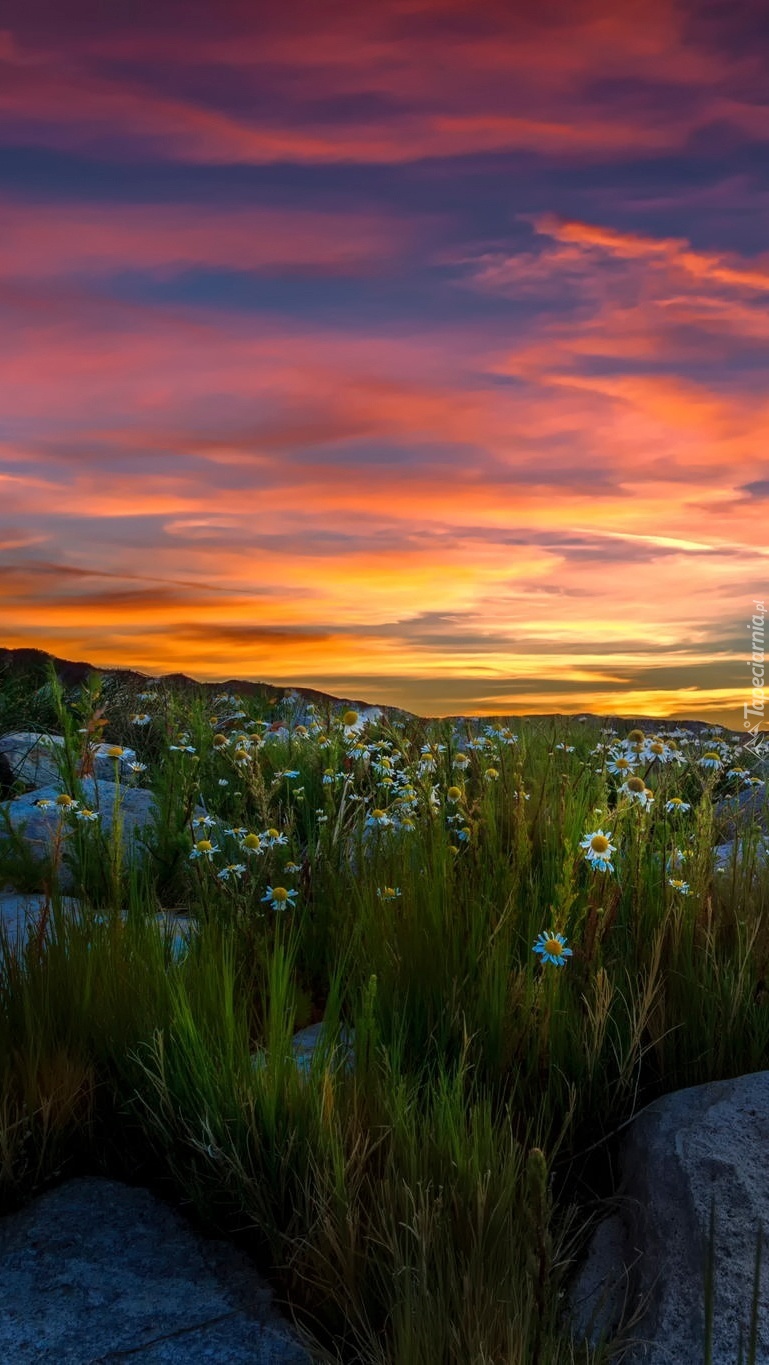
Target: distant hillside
{"points": [[33, 662]]}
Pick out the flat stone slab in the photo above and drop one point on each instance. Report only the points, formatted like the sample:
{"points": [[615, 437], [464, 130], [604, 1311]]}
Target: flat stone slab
{"points": [[707, 1141], [96, 1272], [20, 916]]}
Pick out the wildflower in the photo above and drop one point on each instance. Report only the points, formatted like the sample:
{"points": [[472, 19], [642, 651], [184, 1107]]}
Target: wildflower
{"points": [[272, 837], [204, 849], [619, 765], [676, 806], [182, 748], [567, 748], [636, 789], [453, 849], [675, 861], [454, 793], [137, 767], [461, 761], [598, 850], [552, 948], [115, 751], [330, 776], [288, 772], [349, 719], [86, 814], [279, 897], [679, 885], [241, 756], [464, 834], [231, 870], [292, 867], [252, 843], [378, 819], [636, 737], [44, 802], [658, 750], [66, 802], [223, 782], [711, 760], [491, 774], [388, 893], [205, 820], [140, 718]]}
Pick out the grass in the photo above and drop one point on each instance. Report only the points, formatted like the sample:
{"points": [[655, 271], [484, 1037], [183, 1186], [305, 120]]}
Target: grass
{"points": [[427, 1205]]}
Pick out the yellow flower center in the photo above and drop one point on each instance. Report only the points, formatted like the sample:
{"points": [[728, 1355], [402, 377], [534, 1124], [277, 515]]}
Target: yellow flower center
{"points": [[279, 893], [115, 750], [636, 737], [553, 947], [712, 754], [240, 754], [492, 772], [204, 845], [220, 741], [461, 760], [349, 718], [454, 793], [636, 784], [657, 748], [378, 814], [623, 763], [65, 800], [599, 843], [274, 833], [252, 841]]}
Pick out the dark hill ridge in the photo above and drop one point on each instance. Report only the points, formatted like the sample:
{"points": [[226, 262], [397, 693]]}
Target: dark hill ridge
{"points": [[23, 662]]}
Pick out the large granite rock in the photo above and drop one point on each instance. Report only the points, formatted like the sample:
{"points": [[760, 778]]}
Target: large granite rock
{"points": [[136, 806], [708, 1141], [31, 758], [97, 1271]]}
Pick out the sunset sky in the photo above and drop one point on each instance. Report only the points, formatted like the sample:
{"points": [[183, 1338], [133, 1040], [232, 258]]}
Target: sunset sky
{"points": [[410, 350]]}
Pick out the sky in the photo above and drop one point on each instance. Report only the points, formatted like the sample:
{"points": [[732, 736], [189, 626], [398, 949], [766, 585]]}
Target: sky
{"points": [[413, 351]]}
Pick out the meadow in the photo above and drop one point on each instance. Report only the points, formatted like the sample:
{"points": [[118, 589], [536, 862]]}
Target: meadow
{"points": [[518, 923]]}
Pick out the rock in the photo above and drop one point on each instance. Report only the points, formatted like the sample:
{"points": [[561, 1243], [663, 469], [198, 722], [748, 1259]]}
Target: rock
{"points": [[136, 811], [735, 812], [20, 917], [702, 1142], [725, 853], [31, 759], [96, 1271], [305, 1043]]}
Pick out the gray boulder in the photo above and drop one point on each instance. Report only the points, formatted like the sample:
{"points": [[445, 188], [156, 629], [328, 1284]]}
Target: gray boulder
{"points": [[708, 1141], [733, 813], [95, 1272], [31, 757], [21, 916], [136, 806], [725, 853], [305, 1043]]}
